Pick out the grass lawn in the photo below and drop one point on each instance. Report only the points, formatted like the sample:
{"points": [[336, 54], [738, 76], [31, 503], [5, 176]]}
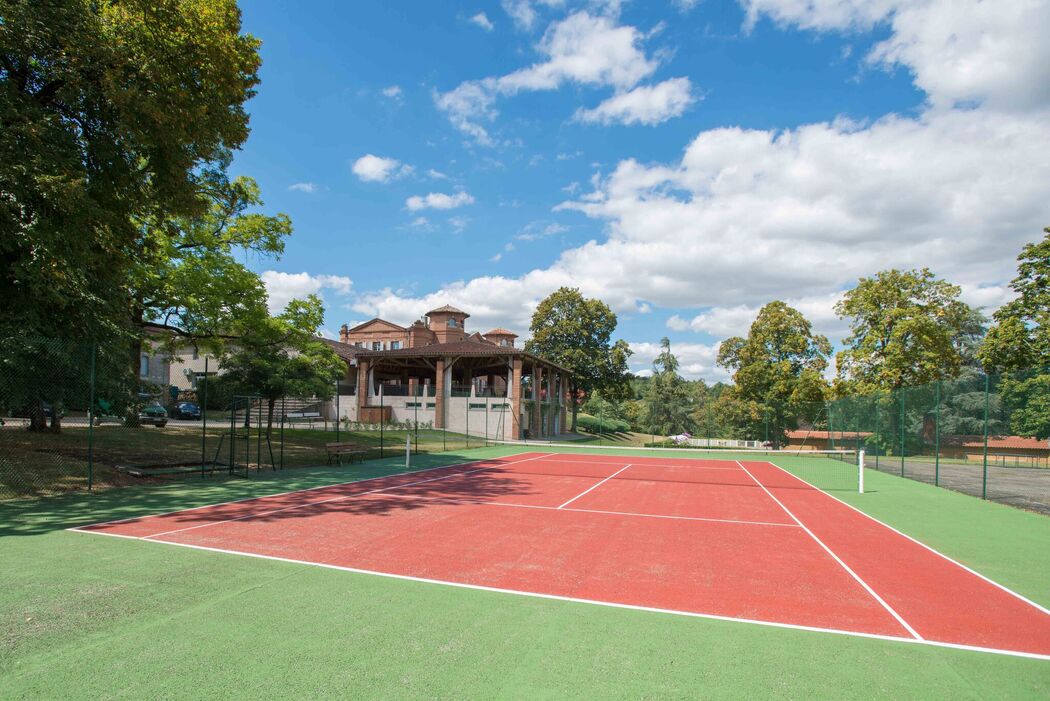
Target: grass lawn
{"points": [[88, 616]]}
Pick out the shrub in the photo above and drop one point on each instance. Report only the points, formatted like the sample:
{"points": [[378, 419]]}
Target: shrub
{"points": [[593, 424]]}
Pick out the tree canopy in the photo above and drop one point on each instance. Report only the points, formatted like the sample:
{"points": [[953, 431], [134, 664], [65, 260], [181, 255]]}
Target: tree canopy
{"points": [[576, 333], [282, 356], [906, 328], [668, 400], [109, 112], [1018, 343], [778, 370]]}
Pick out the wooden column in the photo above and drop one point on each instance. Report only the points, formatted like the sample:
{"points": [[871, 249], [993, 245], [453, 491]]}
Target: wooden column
{"points": [[563, 397], [537, 412], [362, 386], [512, 425], [439, 393]]}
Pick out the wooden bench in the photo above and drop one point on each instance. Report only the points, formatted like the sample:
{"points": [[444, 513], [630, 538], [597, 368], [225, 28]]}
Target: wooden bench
{"points": [[338, 450], [302, 416]]}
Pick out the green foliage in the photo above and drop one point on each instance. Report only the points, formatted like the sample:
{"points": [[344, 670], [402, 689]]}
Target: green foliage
{"points": [[906, 328], [1020, 338], [279, 356], [188, 276], [602, 424], [109, 113], [668, 399], [778, 373], [576, 333]]}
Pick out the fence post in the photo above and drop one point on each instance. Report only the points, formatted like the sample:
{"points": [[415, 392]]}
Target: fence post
{"points": [[284, 413], [91, 421], [937, 435], [984, 472], [900, 421], [204, 418], [382, 415], [337, 416], [878, 438], [466, 415]]}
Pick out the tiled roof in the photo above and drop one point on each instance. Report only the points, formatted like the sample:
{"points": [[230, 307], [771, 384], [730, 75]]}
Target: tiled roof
{"points": [[372, 321], [447, 309], [466, 347], [500, 332], [343, 350], [996, 442]]}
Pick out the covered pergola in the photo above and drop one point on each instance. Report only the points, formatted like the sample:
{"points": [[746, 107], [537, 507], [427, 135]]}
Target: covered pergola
{"points": [[465, 369]]}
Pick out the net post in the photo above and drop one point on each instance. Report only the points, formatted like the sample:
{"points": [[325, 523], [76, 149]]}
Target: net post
{"points": [[204, 416], [860, 472]]}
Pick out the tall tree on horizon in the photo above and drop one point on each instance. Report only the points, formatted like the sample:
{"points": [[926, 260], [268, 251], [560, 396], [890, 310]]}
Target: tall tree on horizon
{"points": [[778, 371], [576, 333]]}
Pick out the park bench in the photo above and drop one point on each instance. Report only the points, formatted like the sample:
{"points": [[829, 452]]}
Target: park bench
{"points": [[309, 417], [336, 451]]}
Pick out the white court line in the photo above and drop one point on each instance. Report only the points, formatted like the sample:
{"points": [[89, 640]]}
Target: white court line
{"points": [[594, 486], [596, 602], [837, 559], [325, 501], [918, 542], [294, 491], [447, 500]]}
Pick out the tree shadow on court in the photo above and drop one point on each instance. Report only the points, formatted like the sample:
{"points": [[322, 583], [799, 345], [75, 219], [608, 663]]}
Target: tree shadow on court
{"points": [[44, 514]]}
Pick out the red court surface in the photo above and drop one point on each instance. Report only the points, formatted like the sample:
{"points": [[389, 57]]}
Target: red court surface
{"points": [[715, 538]]}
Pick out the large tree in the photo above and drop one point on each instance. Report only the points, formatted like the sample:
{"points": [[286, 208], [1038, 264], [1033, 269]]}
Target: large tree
{"points": [[576, 333], [668, 399], [109, 109], [778, 371], [281, 356], [906, 328], [1018, 344]]}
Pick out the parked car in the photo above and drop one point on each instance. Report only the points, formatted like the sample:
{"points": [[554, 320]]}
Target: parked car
{"points": [[186, 410], [153, 415]]}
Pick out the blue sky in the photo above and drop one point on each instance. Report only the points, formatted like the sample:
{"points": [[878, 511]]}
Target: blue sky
{"points": [[686, 162]]}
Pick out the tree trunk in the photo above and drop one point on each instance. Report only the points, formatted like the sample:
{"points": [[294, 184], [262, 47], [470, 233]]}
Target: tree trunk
{"points": [[575, 404], [270, 404], [56, 418], [37, 420]]}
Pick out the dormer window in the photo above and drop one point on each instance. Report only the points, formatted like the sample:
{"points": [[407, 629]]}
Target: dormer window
{"points": [[504, 342], [451, 323]]}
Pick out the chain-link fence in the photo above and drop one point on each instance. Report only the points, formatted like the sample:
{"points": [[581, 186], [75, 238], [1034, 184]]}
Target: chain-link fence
{"points": [[983, 435], [78, 416]]}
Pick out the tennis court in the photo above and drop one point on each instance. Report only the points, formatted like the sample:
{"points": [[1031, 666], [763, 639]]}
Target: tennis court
{"points": [[697, 536]]}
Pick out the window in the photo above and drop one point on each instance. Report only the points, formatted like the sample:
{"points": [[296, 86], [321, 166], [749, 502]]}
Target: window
{"points": [[377, 345], [144, 365], [451, 323], [504, 342], [394, 345]]}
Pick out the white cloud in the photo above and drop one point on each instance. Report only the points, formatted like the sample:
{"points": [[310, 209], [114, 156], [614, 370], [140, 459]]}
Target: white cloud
{"points": [[958, 50], [458, 224], [482, 20], [697, 360], [583, 48], [282, 288], [646, 104], [534, 231], [438, 200], [393, 92], [371, 168], [496, 258], [304, 187], [746, 216], [420, 223], [436, 174]]}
